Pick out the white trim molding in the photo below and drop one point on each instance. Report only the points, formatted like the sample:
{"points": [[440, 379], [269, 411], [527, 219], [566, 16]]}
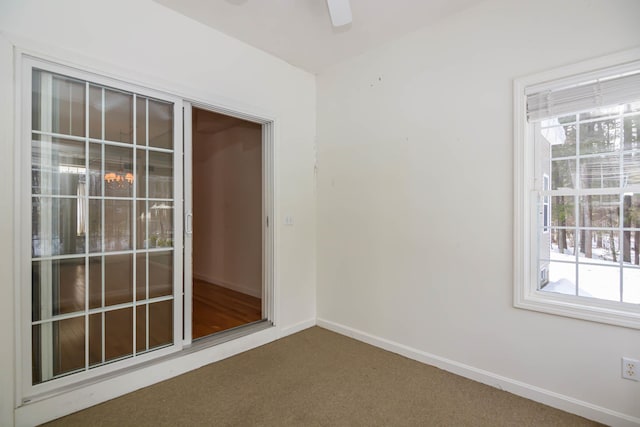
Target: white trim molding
{"points": [[519, 388]]}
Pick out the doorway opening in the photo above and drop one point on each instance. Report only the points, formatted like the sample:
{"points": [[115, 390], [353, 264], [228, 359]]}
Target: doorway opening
{"points": [[227, 244]]}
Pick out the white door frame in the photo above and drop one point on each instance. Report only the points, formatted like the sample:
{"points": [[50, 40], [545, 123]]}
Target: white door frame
{"points": [[268, 197]]}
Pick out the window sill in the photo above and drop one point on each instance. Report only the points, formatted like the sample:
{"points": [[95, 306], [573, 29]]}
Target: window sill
{"points": [[608, 312]]}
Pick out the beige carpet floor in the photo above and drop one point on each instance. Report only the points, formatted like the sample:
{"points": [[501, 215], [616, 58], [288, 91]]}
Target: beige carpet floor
{"points": [[319, 378]]}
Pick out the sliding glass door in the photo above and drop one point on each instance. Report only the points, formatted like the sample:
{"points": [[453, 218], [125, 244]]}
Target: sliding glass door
{"points": [[105, 225]]}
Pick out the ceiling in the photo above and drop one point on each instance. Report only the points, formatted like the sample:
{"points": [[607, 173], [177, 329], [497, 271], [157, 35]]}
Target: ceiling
{"points": [[300, 31]]}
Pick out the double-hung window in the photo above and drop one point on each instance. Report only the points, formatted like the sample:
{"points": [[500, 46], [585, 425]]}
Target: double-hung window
{"points": [[577, 178]]}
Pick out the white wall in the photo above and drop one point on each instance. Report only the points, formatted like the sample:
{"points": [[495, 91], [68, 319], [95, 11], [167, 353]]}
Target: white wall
{"points": [[144, 42], [415, 198], [227, 208]]}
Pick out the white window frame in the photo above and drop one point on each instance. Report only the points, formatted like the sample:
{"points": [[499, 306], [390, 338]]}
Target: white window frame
{"points": [[526, 274], [546, 205], [25, 390]]}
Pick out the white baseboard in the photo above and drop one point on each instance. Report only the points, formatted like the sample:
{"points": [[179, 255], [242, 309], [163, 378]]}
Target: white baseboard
{"points": [[547, 397], [239, 287], [297, 328]]}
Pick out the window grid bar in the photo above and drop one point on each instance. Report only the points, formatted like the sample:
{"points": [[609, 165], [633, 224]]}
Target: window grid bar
{"points": [[134, 238], [97, 254], [102, 231], [62, 196], [86, 228], [597, 119], [586, 262], [104, 309], [146, 222], [621, 213], [558, 227], [597, 155], [99, 141], [139, 199], [608, 191], [576, 207]]}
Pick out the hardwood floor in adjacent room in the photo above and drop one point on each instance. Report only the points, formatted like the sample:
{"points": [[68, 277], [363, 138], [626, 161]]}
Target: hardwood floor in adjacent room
{"points": [[217, 309]]}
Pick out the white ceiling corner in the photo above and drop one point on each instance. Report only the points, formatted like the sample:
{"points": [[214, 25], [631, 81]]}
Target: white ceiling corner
{"points": [[300, 31]]}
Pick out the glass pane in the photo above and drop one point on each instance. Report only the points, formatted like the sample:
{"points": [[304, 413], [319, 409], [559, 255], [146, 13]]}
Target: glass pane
{"points": [[597, 281], [141, 121], [118, 279], [67, 340], [58, 104], [141, 225], [628, 248], [56, 227], [600, 137], [95, 226], [544, 241], [600, 247], [632, 107], [602, 112], [36, 353], [160, 323], [95, 169], [600, 172], [563, 211], [631, 169], [632, 132], [57, 166], [141, 173], [141, 328], [95, 339], [68, 106], [118, 225], [141, 276], [160, 274], [160, 175], [118, 333], [631, 285], [160, 216], [68, 345], [562, 140], [567, 119], [595, 246], [57, 287], [562, 278], [563, 244], [160, 124], [118, 175], [118, 116], [95, 112], [563, 174], [600, 211], [631, 210], [95, 282]]}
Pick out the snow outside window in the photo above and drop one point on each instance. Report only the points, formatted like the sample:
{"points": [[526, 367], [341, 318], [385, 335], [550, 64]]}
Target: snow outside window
{"points": [[578, 193]]}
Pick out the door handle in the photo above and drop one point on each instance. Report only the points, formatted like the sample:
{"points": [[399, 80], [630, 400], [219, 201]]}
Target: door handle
{"points": [[188, 223]]}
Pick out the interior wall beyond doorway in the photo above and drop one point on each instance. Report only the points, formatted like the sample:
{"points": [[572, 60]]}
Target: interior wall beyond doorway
{"points": [[227, 203]]}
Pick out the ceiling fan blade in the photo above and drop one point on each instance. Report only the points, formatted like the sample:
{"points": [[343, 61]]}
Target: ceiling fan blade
{"points": [[340, 11]]}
